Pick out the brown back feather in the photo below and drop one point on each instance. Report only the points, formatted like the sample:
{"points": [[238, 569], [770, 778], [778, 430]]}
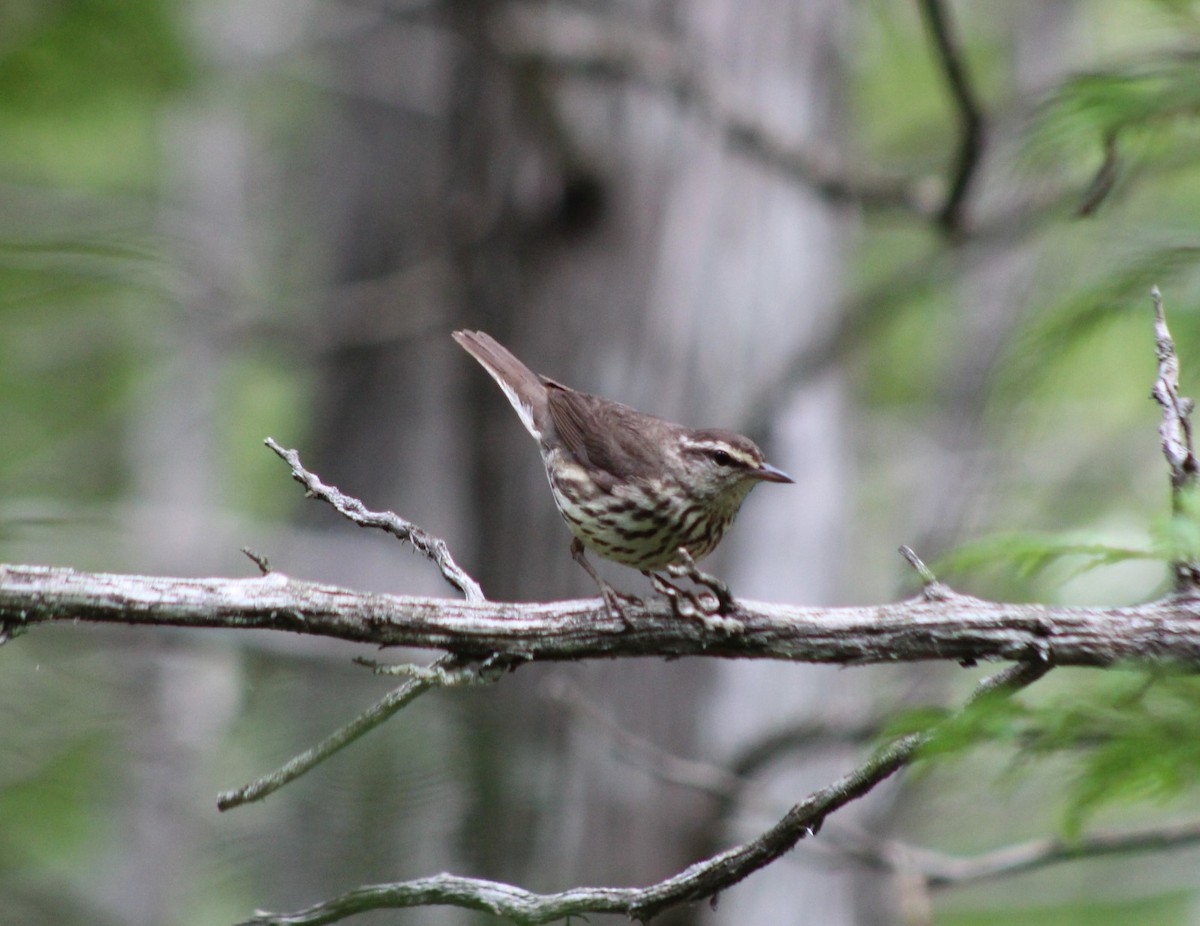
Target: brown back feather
{"points": [[615, 439]]}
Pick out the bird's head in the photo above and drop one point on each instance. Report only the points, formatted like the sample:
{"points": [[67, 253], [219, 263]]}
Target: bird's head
{"points": [[724, 465]]}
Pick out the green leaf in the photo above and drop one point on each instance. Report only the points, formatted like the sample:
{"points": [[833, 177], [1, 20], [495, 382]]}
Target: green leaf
{"points": [[1029, 554], [1146, 98]]}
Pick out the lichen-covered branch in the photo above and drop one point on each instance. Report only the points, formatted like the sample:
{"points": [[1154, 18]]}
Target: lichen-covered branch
{"points": [[956, 627], [1175, 431]]}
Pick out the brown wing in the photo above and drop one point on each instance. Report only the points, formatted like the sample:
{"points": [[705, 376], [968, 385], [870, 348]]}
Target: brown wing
{"points": [[613, 439]]}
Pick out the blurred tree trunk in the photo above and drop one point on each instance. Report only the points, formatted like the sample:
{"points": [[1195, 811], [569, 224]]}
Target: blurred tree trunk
{"points": [[615, 240], [695, 283], [178, 700]]}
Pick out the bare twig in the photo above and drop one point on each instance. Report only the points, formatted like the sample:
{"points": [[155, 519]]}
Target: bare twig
{"points": [[731, 785], [700, 881], [1176, 428], [930, 868], [449, 671], [970, 114], [695, 774], [264, 566], [427, 545], [931, 588], [776, 746], [1039, 853], [1175, 431]]}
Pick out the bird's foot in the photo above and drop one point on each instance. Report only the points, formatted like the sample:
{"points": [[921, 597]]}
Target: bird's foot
{"points": [[615, 602], [711, 606], [687, 568]]}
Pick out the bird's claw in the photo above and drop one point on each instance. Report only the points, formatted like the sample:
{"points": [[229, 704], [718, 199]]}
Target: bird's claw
{"points": [[709, 606], [686, 568], [616, 601]]}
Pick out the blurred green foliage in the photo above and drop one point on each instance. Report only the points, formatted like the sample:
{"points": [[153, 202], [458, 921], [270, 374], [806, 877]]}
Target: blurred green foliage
{"points": [[82, 85], [1171, 537], [1078, 505], [49, 817], [1129, 736], [81, 82], [1173, 909]]}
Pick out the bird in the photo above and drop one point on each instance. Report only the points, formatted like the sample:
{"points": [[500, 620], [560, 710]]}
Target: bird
{"points": [[633, 488]]}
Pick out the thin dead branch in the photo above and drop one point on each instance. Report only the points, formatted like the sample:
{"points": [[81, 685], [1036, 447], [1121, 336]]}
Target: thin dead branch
{"points": [[701, 881], [1175, 432], [447, 672], [939, 870], [589, 46], [432, 548]]}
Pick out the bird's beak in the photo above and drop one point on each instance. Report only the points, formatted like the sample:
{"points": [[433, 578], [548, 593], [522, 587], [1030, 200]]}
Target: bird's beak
{"points": [[769, 473]]}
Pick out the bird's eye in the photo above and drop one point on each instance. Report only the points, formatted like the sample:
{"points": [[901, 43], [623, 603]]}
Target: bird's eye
{"points": [[721, 458]]}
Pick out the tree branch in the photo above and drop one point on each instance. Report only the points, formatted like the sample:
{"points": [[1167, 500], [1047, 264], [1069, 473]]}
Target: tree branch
{"points": [[1175, 432], [700, 881], [932, 869], [970, 114], [957, 627], [447, 672], [938, 624], [939, 870], [1176, 428], [730, 785], [1103, 180], [432, 548], [591, 47]]}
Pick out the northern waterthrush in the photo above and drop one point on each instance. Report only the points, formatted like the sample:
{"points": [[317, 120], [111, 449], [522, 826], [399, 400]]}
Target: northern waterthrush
{"points": [[634, 488]]}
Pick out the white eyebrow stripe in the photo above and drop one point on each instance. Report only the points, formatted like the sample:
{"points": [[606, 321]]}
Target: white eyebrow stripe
{"points": [[714, 445]]}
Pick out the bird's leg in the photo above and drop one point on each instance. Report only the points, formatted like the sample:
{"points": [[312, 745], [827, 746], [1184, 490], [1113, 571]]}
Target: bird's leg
{"points": [[613, 600]]}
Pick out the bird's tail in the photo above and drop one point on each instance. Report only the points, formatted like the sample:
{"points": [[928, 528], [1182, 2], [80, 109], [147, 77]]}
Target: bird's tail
{"points": [[523, 387]]}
